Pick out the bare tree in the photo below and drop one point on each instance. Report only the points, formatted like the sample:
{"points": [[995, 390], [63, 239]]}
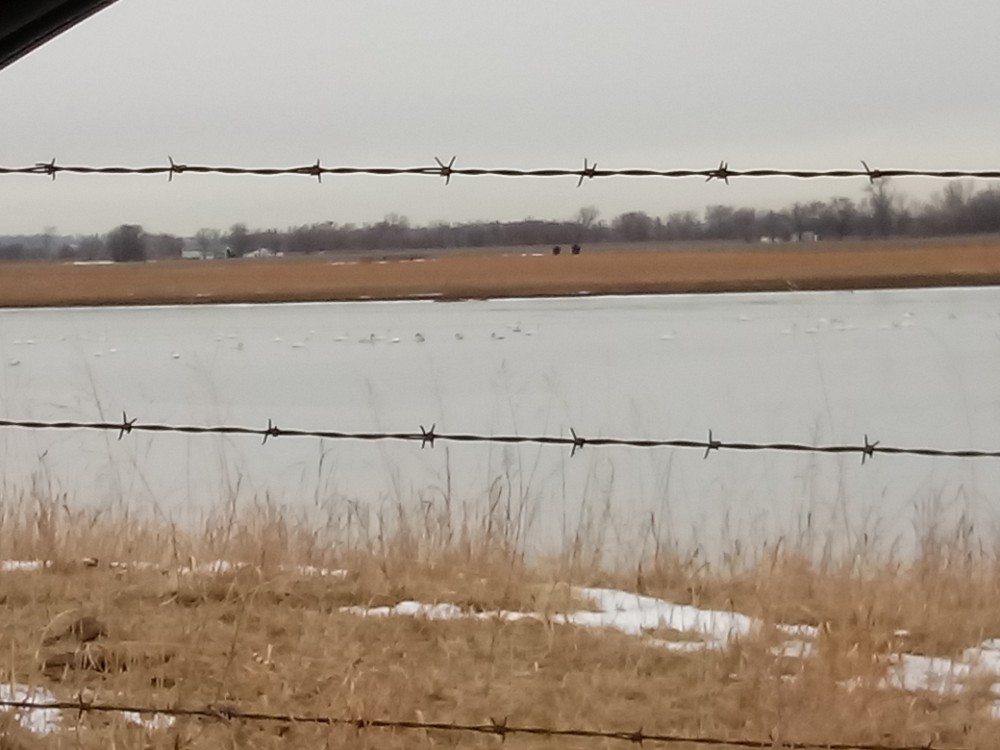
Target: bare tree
{"points": [[208, 240], [882, 207], [126, 243], [239, 240], [634, 226], [587, 216]]}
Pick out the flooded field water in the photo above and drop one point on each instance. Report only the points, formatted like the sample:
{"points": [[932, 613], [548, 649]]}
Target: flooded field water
{"points": [[909, 368]]}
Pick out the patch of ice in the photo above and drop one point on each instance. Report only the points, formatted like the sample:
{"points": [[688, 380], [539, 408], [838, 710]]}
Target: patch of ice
{"points": [[36, 720]]}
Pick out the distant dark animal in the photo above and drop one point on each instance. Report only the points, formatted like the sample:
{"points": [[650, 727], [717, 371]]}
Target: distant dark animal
{"points": [[556, 250], [576, 249]]}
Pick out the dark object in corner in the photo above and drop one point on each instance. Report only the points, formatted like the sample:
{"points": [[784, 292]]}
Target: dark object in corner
{"points": [[27, 24]]}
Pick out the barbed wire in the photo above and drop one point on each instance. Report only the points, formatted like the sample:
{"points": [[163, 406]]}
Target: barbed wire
{"points": [[440, 169], [496, 728], [427, 437]]}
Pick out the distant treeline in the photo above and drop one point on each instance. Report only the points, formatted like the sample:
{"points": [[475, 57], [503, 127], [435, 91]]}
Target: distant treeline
{"points": [[959, 209]]}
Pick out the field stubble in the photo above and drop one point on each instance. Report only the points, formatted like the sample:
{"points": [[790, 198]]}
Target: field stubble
{"points": [[143, 613], [511, 272]]}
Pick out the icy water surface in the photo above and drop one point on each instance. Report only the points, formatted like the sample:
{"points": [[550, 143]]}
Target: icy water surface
{"points": [[913, 368]]}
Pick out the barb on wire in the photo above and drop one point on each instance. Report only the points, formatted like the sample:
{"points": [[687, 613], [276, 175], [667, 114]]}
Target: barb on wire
{"points": [[722, 173], [440, 169], [428, 437], [588, 172], [500, 728], [446, 170]]}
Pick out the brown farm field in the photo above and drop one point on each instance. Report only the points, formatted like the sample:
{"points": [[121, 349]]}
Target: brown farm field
{"points": [[511, 272]]}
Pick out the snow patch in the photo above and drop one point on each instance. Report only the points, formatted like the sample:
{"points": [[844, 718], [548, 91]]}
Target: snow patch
{"points": [[628, 613], [153, 723], [213, 567], [8, 566], [35, 720]]}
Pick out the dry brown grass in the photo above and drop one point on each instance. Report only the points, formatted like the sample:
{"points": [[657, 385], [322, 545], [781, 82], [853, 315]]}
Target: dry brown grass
{"points": [[491, 273], [268, 637]]}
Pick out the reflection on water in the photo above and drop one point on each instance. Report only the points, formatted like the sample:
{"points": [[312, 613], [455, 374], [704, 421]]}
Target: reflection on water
{"points": [[906, 367]]}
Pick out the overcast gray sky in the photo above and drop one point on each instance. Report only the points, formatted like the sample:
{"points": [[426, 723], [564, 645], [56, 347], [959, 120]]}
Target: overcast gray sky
{"points": [[518, 83]]}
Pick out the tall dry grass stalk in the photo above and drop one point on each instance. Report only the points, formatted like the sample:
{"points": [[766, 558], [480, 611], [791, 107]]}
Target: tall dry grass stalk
{"points": [[270, 634]]}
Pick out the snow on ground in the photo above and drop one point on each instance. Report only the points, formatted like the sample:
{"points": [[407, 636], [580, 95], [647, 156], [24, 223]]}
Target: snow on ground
{"points": [[154, 722], [629, 613], [46, 720], [213, 567], [435, 612], [8, 566], [945, 676], [36, 720], [715, 630]]}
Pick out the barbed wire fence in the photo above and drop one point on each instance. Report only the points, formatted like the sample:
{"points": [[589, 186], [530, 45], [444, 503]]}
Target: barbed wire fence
{"points": [[501, 729], [428, 437], [723, 172]]}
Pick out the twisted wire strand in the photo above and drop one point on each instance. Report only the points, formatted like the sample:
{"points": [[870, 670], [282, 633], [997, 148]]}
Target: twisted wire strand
{"points": [[427, 437]]}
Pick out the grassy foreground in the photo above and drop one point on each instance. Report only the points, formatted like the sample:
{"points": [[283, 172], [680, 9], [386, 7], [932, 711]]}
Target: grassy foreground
{"points": [[170, 628]]}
